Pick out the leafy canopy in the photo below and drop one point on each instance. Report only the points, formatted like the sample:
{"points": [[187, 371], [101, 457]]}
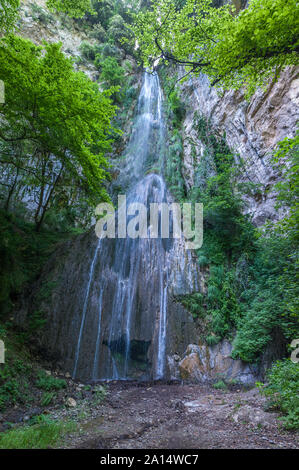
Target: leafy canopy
{"points": [[9, 10], [58, 117], [8, 14], [77, 8], [282, 390], [233, 50], [288, 188]]}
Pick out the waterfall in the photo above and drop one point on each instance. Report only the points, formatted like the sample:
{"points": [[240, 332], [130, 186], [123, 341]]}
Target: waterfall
{"points": [[85, 308], [122, 330]]}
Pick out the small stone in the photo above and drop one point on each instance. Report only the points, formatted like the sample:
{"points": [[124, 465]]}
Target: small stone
{"points": [[67, 375], [48, 372], [70, 402]]}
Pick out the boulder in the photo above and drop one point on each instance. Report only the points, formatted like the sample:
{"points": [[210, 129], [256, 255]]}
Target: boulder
{"points": [[201, 363], [70, 402]]}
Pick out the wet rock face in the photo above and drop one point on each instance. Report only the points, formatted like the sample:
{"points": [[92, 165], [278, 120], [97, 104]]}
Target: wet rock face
{"points": [[118, 311], [111, 314], [252, 130], [201, 363]]}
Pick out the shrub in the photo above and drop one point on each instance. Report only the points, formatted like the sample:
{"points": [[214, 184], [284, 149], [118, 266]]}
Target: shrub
{"points": [[220, 385], [100, 393], [282, 389], [47, 398], [39, 14], [48, 383], [14, 382], [88, 51]]}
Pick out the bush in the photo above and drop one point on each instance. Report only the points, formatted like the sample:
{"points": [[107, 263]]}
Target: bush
{"points": [[100, 393], [282, 390], [98, 33], [112, 73], [39, 14], [88, 51], [47, 398], [220, 385], [14, 380], [48, 383]]}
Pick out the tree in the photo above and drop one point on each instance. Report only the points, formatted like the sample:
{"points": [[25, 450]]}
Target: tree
{"points": [[8, 14], [59, 120], [233, 50], [9, 10], [112, 74], [77, 8], [118, 30], [287, 156]]}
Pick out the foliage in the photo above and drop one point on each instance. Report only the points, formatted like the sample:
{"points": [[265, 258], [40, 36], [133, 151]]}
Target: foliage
{"points": [[100, 393], [282, 390], [249, 48], [15, 375], [220, 385], [174, 106], [228, 232], [264, 302], [23, 251], [175, 112], [252, 288], [193, 303], [112, 74], [98, 32], [119, 32], [47, 398], [9, 11], [38, 436], [40, 14], [55, 130], [287, 157], [8, 14], [89, 51], [76, 9], [49, 383]]}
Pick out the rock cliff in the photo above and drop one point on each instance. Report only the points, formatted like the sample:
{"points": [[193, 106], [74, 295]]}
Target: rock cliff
{"points": [[252, 129]]}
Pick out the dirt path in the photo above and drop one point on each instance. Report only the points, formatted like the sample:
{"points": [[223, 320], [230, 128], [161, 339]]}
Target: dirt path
{"points": [[181, 417]]}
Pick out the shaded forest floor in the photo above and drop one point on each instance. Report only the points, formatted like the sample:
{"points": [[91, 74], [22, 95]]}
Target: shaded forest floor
{"points": [[176, 416], [40, 402]]}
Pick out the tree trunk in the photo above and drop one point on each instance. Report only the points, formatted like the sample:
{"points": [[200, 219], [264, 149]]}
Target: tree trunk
{"points": [[46, 205]]}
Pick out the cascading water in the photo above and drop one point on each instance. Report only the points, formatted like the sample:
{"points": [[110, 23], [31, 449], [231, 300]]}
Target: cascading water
{"points": [[120, 319]]}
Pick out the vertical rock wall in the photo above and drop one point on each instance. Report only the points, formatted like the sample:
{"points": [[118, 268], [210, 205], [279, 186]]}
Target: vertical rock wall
{"points": [[252, 129]]}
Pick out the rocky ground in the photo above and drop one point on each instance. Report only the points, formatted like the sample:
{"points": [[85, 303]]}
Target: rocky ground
{"points": [[128, 415], [178, 416]]}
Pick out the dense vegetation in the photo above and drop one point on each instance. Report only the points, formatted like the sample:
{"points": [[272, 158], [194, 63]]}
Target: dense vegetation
{"points": [[253, 291], [252, 296], [234, 50], [282, 391], [252, 286], [58, 128], [9, 10], [55, 126]]}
